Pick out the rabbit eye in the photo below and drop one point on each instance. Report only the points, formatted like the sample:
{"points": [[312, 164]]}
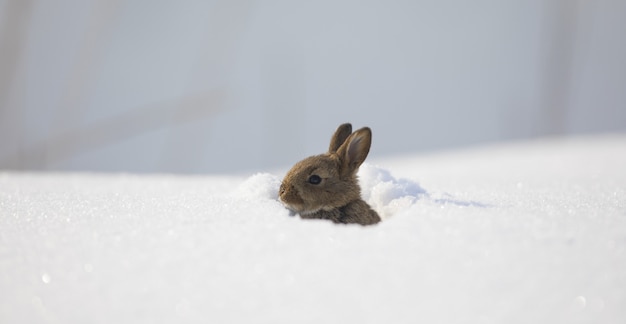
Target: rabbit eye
{"points": [[315, 179]]}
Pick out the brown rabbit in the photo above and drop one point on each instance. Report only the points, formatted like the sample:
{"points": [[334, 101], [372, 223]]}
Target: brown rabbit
{"points": [[325, 186]]}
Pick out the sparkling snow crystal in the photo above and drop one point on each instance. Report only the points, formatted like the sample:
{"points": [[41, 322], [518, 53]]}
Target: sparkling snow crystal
{"points": [[523, 233]]}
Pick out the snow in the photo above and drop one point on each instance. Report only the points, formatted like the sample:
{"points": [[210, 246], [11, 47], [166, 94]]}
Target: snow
{"points": [[529, 232]]}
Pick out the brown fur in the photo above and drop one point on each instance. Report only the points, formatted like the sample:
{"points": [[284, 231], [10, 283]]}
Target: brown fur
{"points": [[338, 196]]}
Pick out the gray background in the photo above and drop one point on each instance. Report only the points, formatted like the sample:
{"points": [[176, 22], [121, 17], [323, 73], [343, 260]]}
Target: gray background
{"points": [[231, 86]]}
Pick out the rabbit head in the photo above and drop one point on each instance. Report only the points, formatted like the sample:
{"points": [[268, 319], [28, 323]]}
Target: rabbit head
{"points": [[328, 181]]}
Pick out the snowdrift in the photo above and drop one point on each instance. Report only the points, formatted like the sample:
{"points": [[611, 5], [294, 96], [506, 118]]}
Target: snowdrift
{"points": [[531, 232]]}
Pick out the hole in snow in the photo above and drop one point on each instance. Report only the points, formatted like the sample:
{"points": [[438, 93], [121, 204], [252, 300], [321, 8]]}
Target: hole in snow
{"points": [[382, 191]]}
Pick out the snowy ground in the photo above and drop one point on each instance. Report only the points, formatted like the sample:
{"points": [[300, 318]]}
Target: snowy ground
{"points": [[531, 232]]}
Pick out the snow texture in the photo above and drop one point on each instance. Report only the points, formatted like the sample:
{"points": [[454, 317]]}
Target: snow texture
{"points": [[531, 232]]}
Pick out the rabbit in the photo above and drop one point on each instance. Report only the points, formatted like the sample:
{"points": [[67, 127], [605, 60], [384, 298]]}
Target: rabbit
{"points": [[325, 186]]}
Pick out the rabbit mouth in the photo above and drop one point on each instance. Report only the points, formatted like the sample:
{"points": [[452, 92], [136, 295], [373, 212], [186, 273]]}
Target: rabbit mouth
{"points": [[292, 208], [295, 209], [298, 208]]}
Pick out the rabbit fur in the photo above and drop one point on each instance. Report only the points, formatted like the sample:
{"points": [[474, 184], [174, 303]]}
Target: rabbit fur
{"points": [[325, 186]]}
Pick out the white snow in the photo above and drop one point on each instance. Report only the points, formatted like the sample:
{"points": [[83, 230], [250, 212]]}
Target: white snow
{"points": [[531, 232]]}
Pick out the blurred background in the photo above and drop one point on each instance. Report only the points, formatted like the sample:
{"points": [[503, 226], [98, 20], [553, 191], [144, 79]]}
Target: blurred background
{"points": [[229, 86]]}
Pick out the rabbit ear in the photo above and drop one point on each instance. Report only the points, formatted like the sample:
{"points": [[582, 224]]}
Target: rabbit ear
{"points": [[342, 132], [354, 150]]}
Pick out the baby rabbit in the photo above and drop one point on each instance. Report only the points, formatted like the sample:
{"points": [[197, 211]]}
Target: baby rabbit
{"points": [[325, 186]]}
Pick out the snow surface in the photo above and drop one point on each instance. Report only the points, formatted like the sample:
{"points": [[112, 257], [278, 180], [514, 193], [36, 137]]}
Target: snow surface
{"points": [[531, 232]]}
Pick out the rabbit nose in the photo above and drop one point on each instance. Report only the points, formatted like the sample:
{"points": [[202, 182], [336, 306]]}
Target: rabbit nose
{"points": [[282, 189]]}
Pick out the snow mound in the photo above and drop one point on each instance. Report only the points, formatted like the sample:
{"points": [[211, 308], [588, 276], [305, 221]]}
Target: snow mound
{"points": [[386, 194], [260, 186]]}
